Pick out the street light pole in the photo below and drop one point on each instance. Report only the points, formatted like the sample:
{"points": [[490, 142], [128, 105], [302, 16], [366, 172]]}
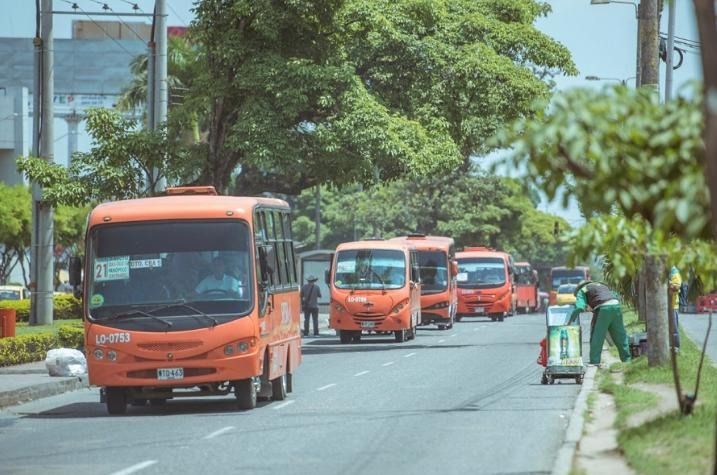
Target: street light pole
{"points": [[638, 56]]}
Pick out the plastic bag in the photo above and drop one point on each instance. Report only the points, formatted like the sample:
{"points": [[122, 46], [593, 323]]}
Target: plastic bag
{"points": [[66, 362]]}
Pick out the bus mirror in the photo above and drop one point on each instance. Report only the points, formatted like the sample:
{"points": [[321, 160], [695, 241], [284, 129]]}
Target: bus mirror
{"points": [[327, 276], [75, 271], [454, 268]]}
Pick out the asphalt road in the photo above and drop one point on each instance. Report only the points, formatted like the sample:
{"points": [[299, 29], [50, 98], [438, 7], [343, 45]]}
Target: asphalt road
{"points": [[695, 324], [467, 400]]}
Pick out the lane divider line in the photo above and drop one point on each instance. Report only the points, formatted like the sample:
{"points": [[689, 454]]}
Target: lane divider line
{"points": [[322, 388], [388, 364], [136, 468], [441, 341], [361, 373], [283, 404], [454, 335], [409, 355], [219, 432]]}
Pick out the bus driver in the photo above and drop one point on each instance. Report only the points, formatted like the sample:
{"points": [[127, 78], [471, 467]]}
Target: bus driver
{"points": [[219, 281]]}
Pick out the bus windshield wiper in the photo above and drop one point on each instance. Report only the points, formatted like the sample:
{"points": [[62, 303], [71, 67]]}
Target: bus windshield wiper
{"points": [[135, 313], [197, 313]]}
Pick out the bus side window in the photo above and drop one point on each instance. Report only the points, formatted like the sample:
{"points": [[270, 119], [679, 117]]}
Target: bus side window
{"points": [[289, 248]]}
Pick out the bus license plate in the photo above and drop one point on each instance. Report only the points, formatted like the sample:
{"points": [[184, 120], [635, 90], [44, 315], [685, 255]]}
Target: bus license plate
{"points": [[478, 309], [368, 324], [170, 373]]}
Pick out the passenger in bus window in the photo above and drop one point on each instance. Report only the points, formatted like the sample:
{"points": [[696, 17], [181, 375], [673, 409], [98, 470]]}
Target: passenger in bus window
{"points": [[219, 281]]}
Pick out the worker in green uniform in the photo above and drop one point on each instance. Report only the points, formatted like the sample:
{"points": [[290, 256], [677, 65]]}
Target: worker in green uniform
{"points": [[607, 317]]}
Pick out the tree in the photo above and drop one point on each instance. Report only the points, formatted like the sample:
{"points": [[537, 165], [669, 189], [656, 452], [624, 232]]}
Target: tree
{"points": [[14, 228], [341, 91], [635, 166], [117, 167], [69, 228]]}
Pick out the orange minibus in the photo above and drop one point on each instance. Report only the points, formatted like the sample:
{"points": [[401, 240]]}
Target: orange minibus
{"points": [[190, 294], [375, 287], [438, 269], [485, 283]]}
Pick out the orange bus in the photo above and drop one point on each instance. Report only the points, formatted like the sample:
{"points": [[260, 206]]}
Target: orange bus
{"points": [[485, 283], [565, 275], [438, 269], [190, 294], [375, 287], [526, 287]]}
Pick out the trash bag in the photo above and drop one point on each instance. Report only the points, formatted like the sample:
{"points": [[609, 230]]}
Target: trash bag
{"points": [[66, 362]]}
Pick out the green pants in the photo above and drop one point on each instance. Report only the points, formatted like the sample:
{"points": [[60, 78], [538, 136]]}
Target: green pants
{"points": [[608, 318]]}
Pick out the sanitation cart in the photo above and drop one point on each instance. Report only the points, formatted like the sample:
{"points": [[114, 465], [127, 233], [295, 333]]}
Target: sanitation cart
{"points": [[564, 348]]}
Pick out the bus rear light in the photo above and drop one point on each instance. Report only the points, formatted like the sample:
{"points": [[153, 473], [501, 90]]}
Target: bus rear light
{"points": [[400, 306], [98, 354], [112, 355]]}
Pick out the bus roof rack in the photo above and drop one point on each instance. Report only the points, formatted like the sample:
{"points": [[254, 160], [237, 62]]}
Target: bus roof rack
{"points": [[478, 248], [191, 190], [416, 236]]}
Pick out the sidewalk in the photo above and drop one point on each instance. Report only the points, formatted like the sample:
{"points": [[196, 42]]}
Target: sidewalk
{"points": [[695, 326], [27, 382]]}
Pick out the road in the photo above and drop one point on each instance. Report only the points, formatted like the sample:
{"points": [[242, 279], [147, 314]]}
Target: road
{"points": [[467, 400], [695, 324]]}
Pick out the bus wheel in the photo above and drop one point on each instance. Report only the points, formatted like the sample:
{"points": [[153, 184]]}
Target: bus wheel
{"points": [[245, 392], [400, 336], [442, 327], [458, 319], [356, 336], [289, 382], [138, 402], [345, 336], [278, 388], [501, 317], [116, 399], [158, 402]]}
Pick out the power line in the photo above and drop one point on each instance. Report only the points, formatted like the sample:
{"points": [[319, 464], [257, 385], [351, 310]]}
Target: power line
{"points": [[184, 23], [121, 20]]}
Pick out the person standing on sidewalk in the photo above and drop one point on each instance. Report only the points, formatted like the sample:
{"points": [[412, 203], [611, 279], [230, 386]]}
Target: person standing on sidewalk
{"points": [[310, 294], [675, 287], [607, 317]]}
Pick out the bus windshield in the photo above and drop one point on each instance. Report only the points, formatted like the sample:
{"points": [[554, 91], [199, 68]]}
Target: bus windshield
{"points": [[154, 270], [433, 266], [370, 269], [524, 275], [567, 276], [481, 272]]}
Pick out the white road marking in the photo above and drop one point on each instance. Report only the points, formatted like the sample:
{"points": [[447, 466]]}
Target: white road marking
{"points": [[219, 432], [326, 387], [441, 341], [361, 373], [136, 467], [409, 355], [388, 364], [455, 334], [283, 404]]}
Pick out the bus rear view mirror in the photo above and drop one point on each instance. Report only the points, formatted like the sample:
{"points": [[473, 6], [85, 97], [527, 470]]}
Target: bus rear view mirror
{"points": [[327, 276], [454, 268]]}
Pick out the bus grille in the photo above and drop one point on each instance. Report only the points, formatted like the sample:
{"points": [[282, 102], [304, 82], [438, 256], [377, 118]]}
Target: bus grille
{"points": [[367, 316], [170, 345], [152, 373]]}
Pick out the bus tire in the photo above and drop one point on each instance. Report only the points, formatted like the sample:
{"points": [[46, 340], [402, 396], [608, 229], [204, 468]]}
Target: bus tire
{"points": [[289, 382], [138, 402], [501, 317], [116, 399], [399, 336], [442, 327], [245, 392], [158, 402], [345, 336], [458, 319], [278, 388]]}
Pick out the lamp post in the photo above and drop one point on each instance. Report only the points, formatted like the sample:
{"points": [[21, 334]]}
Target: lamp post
{"points": [[621, 81], [637, 43]]}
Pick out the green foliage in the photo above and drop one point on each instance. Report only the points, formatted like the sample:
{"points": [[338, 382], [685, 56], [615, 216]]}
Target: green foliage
{"points": [[473, 208], [117, 167], [298, 93], [71, 337], [26, 348], [66, 307], [14, 227]]}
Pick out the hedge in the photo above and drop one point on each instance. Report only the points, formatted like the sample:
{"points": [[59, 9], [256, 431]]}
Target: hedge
{"points": [[66, 307], [29, 348]]}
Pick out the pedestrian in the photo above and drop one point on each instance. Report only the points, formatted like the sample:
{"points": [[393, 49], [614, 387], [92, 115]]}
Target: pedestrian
{"points": [[675, 287], [310, 293], [607, 317]]}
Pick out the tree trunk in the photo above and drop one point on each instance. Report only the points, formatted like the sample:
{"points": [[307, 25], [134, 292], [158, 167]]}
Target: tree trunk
{"points": [[657, 325]]}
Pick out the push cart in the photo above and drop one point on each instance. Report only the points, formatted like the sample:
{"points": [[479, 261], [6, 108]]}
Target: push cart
{"points": [[564, 348]]}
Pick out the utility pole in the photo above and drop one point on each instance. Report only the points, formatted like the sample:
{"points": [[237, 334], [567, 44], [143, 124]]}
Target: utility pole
{"points": [[649, 42], [36, 191], [317, 218], [670, 50], [42, 256], [157, 77]]}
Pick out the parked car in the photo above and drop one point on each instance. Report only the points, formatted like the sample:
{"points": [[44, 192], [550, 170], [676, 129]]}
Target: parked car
{"points": [[13, 292], [565, 294]]}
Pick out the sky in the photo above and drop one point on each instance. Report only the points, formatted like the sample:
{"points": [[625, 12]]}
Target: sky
{"points": [[601, 39]]}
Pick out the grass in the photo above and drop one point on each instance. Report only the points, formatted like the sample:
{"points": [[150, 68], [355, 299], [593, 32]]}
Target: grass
{"points": [[672, 443], [23, 328]]}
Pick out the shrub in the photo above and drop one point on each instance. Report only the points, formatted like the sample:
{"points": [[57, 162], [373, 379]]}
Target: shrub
{"points": [[71, 337], [66, 307], [26, 348]]}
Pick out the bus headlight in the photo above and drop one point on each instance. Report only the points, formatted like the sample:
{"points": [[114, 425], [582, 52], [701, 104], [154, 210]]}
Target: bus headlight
{"points": [[400, 306], [243, 347], [438, 305], [98, 354], [112, 355], [229, 350]]}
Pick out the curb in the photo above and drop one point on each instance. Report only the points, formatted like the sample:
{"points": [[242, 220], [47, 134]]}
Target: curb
{"points": [[564, 460], [39, 391]]}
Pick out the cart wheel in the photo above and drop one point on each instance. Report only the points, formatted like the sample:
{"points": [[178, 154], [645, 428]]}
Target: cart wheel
{"points": [[551, 379], [544, 379]]}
